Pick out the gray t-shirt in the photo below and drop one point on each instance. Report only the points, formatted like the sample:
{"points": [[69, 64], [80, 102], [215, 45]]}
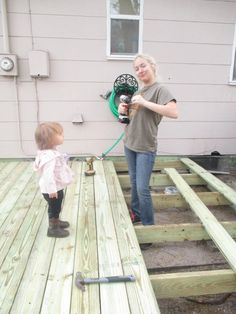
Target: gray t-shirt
{"points": [[141, 132]]}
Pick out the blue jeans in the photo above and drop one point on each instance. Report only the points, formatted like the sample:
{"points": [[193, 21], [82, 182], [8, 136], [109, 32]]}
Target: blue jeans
{"points": [[140, 167]]}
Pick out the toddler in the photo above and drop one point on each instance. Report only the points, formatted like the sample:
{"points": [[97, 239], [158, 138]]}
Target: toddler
{"points": [[54, 174]]}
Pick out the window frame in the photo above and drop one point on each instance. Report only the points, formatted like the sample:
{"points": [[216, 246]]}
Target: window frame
{"points": [[124, 17], [233, 61]]}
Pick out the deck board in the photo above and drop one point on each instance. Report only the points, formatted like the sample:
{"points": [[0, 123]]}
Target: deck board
{"points": [[110, 263], [86, 260], [141, 294], [37, 273]]}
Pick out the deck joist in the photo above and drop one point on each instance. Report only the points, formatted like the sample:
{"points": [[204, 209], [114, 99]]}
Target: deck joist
{"points": [[37, 273]]}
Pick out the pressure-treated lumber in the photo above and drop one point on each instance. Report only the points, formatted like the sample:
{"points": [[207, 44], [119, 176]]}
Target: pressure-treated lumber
{"points": [[12, 188], [86, 257], [13, 266], [28, 298], [108, 251], [193, 283], [212, 181], [16, 217], [163, 201], [160, 164], [160, 180], [219, 235], [178, 232], [141, 293], [37, 273], [62, 262]]}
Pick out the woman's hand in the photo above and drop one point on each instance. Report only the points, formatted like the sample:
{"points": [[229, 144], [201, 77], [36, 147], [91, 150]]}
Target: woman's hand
{"points": [[123, 108], [138, 100]]}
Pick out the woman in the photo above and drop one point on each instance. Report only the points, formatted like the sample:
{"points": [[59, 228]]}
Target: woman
{"points": [[148, 106]]}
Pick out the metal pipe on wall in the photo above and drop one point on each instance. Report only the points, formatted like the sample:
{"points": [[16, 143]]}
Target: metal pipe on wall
{"points": [[6, 42], [7, 50]]}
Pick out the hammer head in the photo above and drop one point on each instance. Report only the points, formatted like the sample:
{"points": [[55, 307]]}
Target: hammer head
{"points": [[79, 281]]}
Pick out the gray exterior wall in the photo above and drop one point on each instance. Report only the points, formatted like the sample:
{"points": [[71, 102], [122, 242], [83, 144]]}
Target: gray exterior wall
{"points": [[190, 39]]}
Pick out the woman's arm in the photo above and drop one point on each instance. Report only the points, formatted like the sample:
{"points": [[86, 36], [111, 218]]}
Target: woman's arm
{"points": [[168, 110]]}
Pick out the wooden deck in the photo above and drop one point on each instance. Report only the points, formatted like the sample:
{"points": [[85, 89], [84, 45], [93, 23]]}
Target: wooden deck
{"points": [[37, 273]]}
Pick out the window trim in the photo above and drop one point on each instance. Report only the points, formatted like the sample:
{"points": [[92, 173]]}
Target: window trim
{"points": [[233, 61], [123, 17]]}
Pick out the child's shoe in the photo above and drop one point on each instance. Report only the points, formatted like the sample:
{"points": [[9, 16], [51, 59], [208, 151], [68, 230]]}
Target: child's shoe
{"points": [[63, 224], [54, 229]]}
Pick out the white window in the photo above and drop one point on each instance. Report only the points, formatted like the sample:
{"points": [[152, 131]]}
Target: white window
{"points": [[124, 28], [233, 65]]}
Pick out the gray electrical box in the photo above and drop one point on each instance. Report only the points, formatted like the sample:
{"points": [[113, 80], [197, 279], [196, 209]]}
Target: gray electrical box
{"points": [[8, 64], [39, 63]]}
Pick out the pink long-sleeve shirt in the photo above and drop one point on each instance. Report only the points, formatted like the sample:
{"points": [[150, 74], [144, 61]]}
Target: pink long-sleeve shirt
{"points": [[54, 173]]}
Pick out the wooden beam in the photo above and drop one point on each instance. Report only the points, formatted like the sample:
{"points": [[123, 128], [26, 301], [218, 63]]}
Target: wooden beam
{"points": [[159, 180], [193, 283], [212, 180], [178, 232], [163, 201], [216, 231], [160, 164]]}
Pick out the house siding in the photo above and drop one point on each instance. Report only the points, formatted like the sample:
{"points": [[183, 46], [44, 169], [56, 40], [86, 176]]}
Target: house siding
{"points": [[190, 39]]}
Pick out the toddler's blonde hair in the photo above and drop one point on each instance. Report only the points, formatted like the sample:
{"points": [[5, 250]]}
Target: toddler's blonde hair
{"points": [[45, 134]]}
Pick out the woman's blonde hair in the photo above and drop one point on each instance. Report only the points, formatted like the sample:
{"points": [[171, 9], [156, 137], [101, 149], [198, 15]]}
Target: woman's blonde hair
{"points": [[45, 134], [149, 59]]}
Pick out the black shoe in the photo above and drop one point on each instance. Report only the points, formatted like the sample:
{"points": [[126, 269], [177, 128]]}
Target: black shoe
{"points": [[145, 246]]}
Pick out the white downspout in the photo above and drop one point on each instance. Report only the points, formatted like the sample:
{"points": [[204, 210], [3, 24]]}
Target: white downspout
{"points": [[6, 48], [6, 43]]}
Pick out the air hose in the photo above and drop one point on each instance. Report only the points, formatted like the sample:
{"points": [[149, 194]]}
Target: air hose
{"points": [[112, 104], [113, 108], [116, 142]]}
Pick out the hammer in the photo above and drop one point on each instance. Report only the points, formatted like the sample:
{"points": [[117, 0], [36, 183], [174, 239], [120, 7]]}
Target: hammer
{"points": [[80, 281]]}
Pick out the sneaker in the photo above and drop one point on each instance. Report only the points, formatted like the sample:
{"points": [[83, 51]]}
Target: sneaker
{"points": [[134, 218], [145, 246]]}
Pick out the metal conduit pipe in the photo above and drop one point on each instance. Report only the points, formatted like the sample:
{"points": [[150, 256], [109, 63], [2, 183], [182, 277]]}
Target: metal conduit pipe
{"points": [[6, 42], [6, 48]]}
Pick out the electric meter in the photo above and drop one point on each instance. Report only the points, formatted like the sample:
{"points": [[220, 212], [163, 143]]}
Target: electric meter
{"points": [[6, 64]]}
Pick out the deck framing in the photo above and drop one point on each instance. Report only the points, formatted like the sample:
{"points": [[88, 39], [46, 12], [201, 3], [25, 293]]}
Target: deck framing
{"points": [[37, 273]]}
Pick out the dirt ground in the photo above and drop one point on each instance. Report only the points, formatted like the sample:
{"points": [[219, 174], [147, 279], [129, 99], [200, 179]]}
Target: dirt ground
{"points": [[183, 255]]}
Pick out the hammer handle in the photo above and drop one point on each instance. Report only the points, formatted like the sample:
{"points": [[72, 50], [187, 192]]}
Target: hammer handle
{"points": [[109, 279]]}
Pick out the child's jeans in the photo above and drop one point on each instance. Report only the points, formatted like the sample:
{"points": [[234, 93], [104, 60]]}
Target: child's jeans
{"points": [[54, 204]]}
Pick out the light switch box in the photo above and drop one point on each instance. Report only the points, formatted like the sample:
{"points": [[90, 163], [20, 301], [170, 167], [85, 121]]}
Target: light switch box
{"points": [[39, 63]]}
